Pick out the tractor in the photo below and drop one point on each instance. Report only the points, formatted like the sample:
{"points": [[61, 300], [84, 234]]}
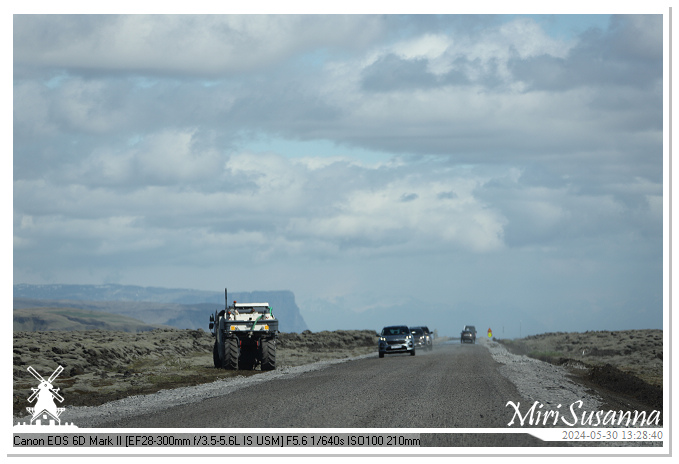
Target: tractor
{"points": [[245, 336]]}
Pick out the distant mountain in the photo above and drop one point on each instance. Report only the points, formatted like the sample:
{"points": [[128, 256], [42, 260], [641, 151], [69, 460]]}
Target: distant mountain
{"points": [[67, 319], [180, 308], [115, 292]]}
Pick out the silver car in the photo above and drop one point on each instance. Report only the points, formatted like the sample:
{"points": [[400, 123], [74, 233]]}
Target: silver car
{"points": [[396, 339]]}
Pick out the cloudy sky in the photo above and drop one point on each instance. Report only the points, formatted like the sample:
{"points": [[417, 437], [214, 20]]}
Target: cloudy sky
{"points": [[498, 170]]}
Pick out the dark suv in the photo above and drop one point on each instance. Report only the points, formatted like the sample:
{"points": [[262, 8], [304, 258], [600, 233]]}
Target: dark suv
{"points": [[396, 339], [419, 338], [468, 334], [428, 337]]}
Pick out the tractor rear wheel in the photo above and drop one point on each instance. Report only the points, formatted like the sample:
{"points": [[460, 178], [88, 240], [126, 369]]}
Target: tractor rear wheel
{"points": [[230, 360], [269, 354]]}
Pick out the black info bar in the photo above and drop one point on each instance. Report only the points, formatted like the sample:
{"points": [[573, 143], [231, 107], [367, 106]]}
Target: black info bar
{"points": [[183, 440]]}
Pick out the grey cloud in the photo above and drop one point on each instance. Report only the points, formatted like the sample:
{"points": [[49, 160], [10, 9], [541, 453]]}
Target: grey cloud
{"points": [[447, 195], [627, 54], [391, 73], [545, 208]]}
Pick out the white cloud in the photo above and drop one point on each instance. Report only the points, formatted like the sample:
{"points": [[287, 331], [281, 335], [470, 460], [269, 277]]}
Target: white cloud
{"points": [[208, 45], [525, 37], [407, 214], [431, 47], [171, 156]]}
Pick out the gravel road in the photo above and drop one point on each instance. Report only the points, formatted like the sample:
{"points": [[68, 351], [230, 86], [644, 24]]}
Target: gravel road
{"points": [[454, 386]]}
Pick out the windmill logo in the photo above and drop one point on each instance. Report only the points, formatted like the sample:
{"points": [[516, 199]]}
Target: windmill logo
{"points": [[45, 411]]}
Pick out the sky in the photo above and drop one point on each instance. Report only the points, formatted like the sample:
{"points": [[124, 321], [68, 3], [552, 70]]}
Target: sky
{"points": [[504, 171]]}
